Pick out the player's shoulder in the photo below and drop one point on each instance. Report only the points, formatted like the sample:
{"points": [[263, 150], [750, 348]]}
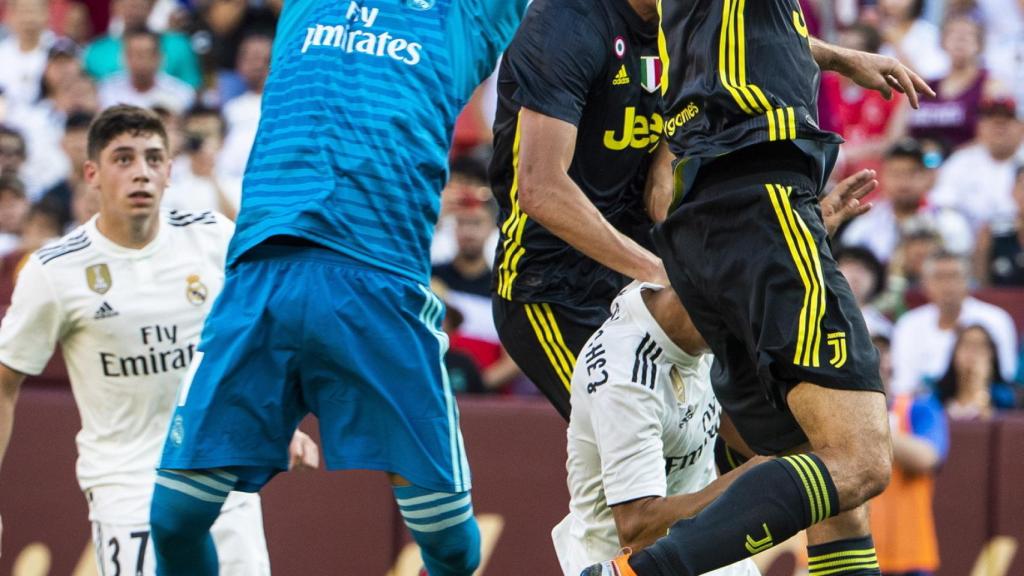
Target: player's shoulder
{"points": [[68, 249], [182, 219], [568, 15]]}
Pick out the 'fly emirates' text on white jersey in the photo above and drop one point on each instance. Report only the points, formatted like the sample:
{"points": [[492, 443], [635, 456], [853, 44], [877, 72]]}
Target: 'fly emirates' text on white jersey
{"points": [[128, 322], [644, 423]]}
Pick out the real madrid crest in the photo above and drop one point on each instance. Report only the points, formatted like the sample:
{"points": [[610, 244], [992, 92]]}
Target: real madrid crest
{"points": [[196, 291], [98, 278]]}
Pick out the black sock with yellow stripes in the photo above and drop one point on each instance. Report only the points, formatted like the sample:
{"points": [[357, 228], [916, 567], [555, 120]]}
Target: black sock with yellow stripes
{"points": [[762, 508], [855, 557]]}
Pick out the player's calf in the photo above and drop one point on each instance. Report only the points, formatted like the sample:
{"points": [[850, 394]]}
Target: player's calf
{"points": [[185, 505], [443, 525]]}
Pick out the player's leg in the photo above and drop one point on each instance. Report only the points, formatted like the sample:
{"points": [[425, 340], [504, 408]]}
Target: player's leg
{"points": [[544, 340], [237, 410], [372, 371], [239, 538], [442, 524], [775, 284], [123, 549]]}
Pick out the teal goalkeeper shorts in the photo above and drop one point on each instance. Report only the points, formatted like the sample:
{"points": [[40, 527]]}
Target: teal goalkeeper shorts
{"points": [[300, 329]]}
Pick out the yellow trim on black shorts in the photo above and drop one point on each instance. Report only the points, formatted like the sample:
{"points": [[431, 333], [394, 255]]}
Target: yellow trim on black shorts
{"points": [[804, 252], [512, 228], [545, 327]]}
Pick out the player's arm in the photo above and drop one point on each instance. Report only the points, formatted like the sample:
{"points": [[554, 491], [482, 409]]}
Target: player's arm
{"points": [[659, 190], [10, 385], [872, 71], [549, 196], [641, 522]]}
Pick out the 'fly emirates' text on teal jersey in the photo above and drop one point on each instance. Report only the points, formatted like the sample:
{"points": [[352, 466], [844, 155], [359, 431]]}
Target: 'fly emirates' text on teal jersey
{"points": [[358, 114]]}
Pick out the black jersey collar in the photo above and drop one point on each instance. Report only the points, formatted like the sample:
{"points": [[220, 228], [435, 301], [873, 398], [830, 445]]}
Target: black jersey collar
{"points": [[635, 22]]}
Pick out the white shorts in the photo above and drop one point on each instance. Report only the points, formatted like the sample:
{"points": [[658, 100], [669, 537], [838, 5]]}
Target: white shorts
{"points": [[126, 550]]}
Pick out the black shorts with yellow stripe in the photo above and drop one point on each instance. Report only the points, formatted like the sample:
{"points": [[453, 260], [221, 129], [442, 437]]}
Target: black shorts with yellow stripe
{"points": [[748, 255], [544, 339]]}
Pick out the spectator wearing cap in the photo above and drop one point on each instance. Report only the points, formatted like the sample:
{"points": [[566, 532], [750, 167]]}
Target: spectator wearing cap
{"points": [[866, 277], [106, 56], [978, 180], [999, 257], [904, 182], [142, 83], [24, 52], [950, 119], [13, 208], [924, 337]]}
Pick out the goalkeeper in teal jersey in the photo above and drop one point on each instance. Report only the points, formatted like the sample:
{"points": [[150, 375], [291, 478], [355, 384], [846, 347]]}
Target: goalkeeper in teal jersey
{"points": [[326, 306]]}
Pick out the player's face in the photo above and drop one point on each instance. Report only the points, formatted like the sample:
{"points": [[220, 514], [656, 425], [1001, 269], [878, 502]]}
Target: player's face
{"points": [[131, 175]]}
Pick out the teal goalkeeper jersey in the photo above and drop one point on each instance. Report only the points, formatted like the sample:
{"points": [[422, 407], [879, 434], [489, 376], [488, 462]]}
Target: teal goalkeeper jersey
{"points": [[358, 114]]}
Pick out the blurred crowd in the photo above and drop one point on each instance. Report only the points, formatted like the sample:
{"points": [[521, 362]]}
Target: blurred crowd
{"points": [[934, 263], [937, 265]]}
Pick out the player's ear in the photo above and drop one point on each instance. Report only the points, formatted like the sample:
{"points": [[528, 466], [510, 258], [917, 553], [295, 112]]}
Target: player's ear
{"points": [[91, 170]]}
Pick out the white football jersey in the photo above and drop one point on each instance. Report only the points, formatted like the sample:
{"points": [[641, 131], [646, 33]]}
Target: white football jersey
{"points": [[128, 322], [644, 423]]}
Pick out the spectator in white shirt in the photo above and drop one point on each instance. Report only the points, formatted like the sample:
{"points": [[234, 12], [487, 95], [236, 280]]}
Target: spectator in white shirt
{"points": [[904, 184], [143, 84], [13, 209], [924, 337], [978, 180], [23, 53], [197, 183], [242, 113], [911, 38]]}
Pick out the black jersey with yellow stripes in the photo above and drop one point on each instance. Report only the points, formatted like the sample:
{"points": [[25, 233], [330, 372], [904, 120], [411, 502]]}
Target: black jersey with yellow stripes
{"points": [[594, 64], [737, 73]]}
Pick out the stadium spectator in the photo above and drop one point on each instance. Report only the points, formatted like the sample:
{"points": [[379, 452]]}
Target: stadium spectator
{"points": [[904, 184], [903, 517], [923, 339], [142, 83], [23, 53], [911, 38], [13, 209], [468, 179], [951, 118], [463, 373], [230, 21], [242, 113], [999, 257], [1004, 50], [866, 277], [62, 61], [106, 56], [978, 180], [972, 387], [867, 121], [196, 181], [467, 286], [73, 144], [12, 151], [39, 227]]}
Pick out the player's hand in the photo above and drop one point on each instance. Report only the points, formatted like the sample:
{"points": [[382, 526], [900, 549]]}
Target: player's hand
{"points": [[843, 203], [303, 453], [883, 74]]}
